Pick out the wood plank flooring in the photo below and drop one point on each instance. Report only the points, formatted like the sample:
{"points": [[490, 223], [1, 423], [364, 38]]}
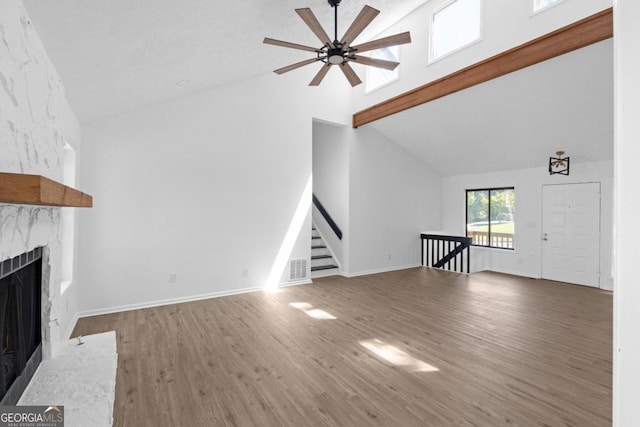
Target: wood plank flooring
{"points": [[417, 347]]}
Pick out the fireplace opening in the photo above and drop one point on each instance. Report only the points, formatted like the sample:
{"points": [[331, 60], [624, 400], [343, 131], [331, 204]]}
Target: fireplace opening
{"points": [[20, 323]]}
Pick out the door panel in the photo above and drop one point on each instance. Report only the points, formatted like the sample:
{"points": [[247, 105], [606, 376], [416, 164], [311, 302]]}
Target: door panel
{"points": [[571, 233]]}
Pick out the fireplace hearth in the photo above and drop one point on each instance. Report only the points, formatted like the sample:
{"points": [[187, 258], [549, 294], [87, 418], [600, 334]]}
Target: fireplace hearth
{"points": [[20, 323]]}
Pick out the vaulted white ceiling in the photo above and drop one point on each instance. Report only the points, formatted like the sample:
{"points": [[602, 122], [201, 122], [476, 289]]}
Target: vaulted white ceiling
{"points": [[518, 120], [118, 55]]}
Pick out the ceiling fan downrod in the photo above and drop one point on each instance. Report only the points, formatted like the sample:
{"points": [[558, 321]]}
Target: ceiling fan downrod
{"points": [[334, 4], [335, 55]]}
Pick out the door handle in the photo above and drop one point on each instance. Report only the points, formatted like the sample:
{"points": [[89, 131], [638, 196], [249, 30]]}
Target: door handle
{"points": [[544, 237]]}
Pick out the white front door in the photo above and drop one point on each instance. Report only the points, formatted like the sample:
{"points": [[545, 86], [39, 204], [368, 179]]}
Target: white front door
{"points": [[571, 233]]}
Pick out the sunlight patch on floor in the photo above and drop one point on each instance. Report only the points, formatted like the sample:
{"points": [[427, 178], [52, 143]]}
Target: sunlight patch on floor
{"points": [[301, 305], [308, 309], [395, 356]]}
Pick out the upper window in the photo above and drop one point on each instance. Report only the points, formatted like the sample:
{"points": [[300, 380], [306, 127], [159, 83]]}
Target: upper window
{"points": [[378, 77], [491, 217], [455, 25], [541, 4]]}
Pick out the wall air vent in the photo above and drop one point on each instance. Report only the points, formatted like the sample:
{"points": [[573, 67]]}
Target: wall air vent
{"points": [[298, 269]]}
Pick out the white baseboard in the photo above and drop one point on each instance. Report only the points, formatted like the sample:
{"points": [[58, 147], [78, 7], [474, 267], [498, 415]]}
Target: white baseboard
{"points": [[512, 273], [294, 283], [179, 300], [380, 270], [604, 286], [325, 273]]}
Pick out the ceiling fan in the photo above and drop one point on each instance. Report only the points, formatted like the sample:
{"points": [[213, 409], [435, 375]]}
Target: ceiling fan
{"points": [[340, 52]]}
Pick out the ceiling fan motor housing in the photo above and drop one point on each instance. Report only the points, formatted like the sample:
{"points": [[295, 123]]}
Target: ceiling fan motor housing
{"points": [[334, 3], [336, 56]]}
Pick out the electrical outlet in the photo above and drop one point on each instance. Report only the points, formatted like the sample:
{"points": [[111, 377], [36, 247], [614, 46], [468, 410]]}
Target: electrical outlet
{"points": [[245, 272], [389, 256], [173, 277]]}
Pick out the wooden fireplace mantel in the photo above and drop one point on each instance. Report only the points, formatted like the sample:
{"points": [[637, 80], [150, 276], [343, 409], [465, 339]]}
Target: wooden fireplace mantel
{"points": [[24, 189]]}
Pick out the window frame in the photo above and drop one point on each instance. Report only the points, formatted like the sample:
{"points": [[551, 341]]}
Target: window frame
{"points": [[368, 90], [448, 3], [535, 11], [466, 217]]}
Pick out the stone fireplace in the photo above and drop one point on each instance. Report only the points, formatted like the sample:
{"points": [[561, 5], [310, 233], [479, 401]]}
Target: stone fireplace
{"points": [[20, 323], [35, 124]]}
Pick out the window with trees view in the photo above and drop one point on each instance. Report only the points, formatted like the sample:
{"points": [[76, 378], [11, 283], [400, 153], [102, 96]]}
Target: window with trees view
{"points": [[491, 217]]}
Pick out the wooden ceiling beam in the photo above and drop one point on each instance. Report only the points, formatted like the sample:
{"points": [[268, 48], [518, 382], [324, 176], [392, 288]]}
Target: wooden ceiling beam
{"points": [[581, 33]]}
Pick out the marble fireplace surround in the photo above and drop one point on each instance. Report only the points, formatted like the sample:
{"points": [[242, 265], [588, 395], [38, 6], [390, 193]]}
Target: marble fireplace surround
{"points": [[31, 212], [36, 123], [28, 228], [36, 126]]}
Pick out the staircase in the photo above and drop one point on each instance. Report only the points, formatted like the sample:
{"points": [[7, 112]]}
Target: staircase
{"points": [[322, 262]]}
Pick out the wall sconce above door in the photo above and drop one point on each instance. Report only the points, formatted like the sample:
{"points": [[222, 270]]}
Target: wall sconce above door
{"points": [[559, 164]]}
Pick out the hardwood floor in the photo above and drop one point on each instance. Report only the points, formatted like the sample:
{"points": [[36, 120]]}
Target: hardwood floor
{"points": [[418, 347]]}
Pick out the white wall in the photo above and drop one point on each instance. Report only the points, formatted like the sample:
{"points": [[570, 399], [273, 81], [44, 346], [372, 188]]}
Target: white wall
{"points": [[331, 185], [380, 196], [393, 197], [626, 369], [505, 24], [35, 119], [204, 187], [525, 260]]}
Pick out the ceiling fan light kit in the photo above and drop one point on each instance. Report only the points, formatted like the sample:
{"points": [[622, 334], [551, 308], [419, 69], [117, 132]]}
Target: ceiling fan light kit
{"points": [[339, 51]]}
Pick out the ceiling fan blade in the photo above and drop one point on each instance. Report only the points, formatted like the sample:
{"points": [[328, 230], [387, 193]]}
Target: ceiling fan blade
{"points": [[275, 42], [396, 39], [380, 63], [312, 22], [318, 78], [296, 65], [364, 18], [350, 74]]}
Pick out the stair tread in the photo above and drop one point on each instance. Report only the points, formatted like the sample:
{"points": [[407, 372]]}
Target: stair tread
{"points": [[321, 256], [318, 247], [323, 267], [316, 237]]}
